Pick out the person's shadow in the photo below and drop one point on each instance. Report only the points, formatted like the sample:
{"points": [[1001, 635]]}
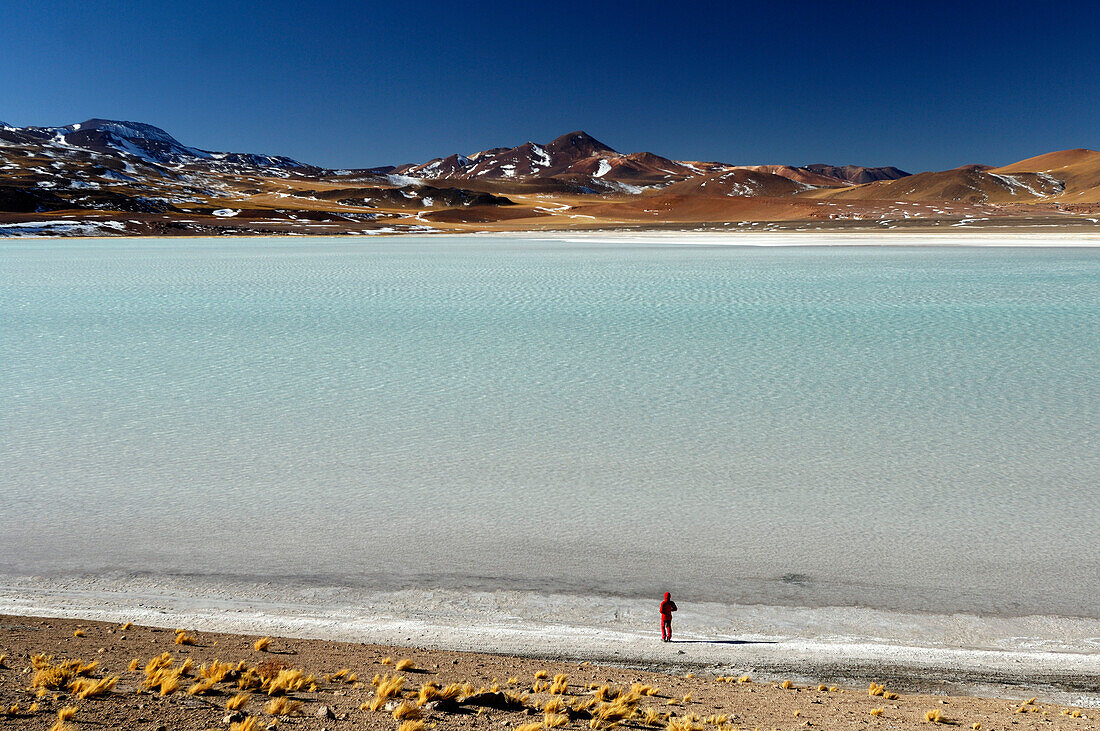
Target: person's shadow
{"points": [[726, 642]]}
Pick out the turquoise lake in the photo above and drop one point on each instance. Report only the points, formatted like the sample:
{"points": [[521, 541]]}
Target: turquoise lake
{"points": [[895, 427]]}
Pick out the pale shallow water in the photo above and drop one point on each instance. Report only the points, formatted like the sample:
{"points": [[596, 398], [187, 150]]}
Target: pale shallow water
{"points": [[909, 429]]}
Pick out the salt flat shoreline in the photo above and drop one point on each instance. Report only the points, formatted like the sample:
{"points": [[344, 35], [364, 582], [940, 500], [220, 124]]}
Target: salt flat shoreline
{"points": [[763, 238], [823, 238], [1056, 658]]}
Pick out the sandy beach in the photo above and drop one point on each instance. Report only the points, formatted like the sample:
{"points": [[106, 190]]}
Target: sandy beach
{"points": [[335, 688]]}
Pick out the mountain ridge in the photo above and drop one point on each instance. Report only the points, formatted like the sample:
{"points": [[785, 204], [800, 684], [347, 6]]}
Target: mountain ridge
{"points": [[142, 180]]}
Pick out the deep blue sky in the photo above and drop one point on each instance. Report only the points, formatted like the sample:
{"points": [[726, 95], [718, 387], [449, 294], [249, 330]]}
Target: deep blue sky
{"points": [[348, 84]]}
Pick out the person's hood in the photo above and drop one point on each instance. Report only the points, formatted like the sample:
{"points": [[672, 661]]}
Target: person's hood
{"points": [[667, 596]]}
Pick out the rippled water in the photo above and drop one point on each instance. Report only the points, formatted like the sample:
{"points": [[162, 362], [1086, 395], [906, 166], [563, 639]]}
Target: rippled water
{"points": [[900, 428]]}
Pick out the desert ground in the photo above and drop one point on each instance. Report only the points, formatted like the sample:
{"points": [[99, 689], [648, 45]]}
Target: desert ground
{"points": [[96, 675]]}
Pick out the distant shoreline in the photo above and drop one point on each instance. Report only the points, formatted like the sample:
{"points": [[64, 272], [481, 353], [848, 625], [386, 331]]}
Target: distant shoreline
{"points": [[764, 238]]}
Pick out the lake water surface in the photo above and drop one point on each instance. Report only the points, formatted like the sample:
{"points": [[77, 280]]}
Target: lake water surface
{"points": [[899, 428]]}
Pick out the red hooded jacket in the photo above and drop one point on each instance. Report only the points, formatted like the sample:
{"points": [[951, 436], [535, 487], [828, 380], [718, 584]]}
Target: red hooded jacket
{"points": [[668, 606]]}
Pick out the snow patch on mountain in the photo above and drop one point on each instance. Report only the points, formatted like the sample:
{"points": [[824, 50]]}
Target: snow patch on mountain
{"points": [[543, 157]]}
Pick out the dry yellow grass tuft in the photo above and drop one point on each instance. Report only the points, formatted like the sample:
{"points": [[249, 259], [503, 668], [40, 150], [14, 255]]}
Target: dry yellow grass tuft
{"points": [[49, 676], [428, 692], [160, 661], [652, 717], [289, 680], [744, 679], [238, 701], [976, 726], [282, 706], [608, 715], [13, 709], [887, 695], [216, 671], [539, 675], [555, 720], [530, 726], [602, 692], [786, 684], [159, 673], [689, 676], [416, 725], [934, 716], [78, 633], [554, 705], [249, 679], [66, 713], [797, 713], [682, 724], [126, 626], [877, 711], [182, 638], [405, 664], [88, 688], [687, 697], [452, 691], [200, 688], [560, 684], [261, 644], [387, 661], [2, 659], [169, 684], [875, 689], [248, 724], [134, 665], [406, 712], [718, 719], [387, 687], [511, 681]]}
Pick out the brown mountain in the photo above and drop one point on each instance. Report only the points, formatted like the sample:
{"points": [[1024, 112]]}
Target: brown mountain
{"points": [[857, 173], [1078, 170], [738, 183], [577, 160], [109, 177], [966, 184]]}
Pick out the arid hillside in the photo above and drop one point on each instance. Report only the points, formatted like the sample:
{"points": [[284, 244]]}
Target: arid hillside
{"points": [[106, 177]]}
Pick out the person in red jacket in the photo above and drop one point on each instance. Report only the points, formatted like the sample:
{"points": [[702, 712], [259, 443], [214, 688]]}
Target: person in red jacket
{"points": [[667, 608]]}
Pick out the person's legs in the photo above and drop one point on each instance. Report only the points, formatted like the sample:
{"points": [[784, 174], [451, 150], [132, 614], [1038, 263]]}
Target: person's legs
{"points": [[666, 628]]}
